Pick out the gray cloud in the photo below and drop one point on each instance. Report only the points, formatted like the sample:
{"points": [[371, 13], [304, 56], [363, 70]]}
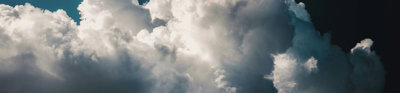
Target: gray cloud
{"points": [[337, 72]]}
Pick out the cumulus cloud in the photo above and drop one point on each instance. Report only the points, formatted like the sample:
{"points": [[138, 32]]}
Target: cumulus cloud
{"points": [[358, 72], [178, 46]]}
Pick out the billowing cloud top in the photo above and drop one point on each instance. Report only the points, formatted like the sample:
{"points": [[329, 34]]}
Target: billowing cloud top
{"points": [[178, 46]]}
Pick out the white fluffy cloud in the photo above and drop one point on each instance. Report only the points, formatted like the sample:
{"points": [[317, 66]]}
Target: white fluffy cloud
{"points": [[178, 46]]}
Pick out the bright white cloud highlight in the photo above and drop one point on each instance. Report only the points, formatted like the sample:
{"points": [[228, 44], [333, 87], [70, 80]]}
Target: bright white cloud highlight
{"points": [[311, 64], [365, 44]]}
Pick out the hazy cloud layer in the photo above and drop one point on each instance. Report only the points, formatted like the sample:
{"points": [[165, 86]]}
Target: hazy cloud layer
{"points": [[178, 46]]}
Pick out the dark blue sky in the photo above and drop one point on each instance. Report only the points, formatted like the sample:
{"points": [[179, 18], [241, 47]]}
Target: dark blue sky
{"points": [[70, 6]]}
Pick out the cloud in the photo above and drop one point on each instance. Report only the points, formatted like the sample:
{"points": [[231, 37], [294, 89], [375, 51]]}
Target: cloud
{"points": [[177, 46], [358, 72]]}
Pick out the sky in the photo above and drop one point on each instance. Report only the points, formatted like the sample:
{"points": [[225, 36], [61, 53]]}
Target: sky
{"points": [[195, 46], [70, 6]]}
